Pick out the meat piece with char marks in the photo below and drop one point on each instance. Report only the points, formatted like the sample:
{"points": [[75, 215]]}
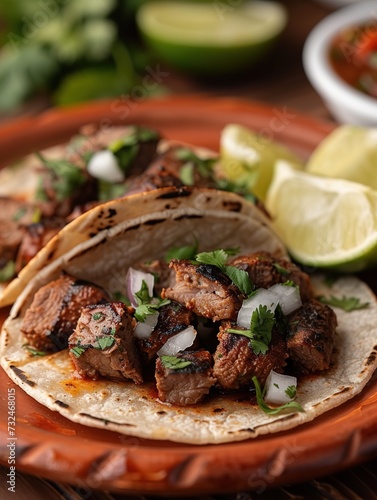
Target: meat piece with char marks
{"points": [[55, 310], [264, 271], [205, 290], [103, 344], [312, 337], [188, 385], [236, 363]]}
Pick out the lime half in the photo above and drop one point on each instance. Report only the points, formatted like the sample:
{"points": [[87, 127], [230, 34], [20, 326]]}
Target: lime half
{"points": [[324, 222], [248, 158], [210, 38], [350, 152]]}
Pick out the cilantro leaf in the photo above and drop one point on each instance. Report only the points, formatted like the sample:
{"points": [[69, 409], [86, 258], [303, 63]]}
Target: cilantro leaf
{"points": [[216, 258], [104, 342], [33, 351], [262, 322], [142, 295], [174, 363], [203, 165], [8, 271], [77, 350], [186, 174], [143, 310], [292, 406], [65, 176], [240, 278], [291, 391], [187, 252], [97, 316], [280, 269], [348, 304], [290, 283]]}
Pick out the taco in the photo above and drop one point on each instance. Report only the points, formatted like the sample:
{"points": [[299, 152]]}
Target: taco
{"points": [[47, 190], [178, 362]]}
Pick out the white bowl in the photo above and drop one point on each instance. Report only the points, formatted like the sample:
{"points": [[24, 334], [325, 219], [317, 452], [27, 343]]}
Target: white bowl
{"points": [[346, 104]]}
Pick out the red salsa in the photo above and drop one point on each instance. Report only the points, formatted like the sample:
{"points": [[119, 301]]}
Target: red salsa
{"points": [[353, 56]]}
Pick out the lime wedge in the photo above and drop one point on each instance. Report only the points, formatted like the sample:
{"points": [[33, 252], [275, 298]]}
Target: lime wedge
{"points": [[247, 158], [210, 38], [324, 222], [349, 152]]}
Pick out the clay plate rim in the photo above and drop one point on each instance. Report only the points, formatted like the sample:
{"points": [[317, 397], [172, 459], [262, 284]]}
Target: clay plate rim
{"points": [[53, 447]]}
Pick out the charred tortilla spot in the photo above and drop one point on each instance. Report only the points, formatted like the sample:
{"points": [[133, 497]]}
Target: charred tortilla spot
{"points": [[91, 235], [51, 254], [105, 421], [112, 213], [133, 227], [178, 193], [218, 410], [233, 206], [161, 412], [192, 216], [371, 358], [343, 390], [154, 222], [22, 376], [61, 404], [100, 215]]}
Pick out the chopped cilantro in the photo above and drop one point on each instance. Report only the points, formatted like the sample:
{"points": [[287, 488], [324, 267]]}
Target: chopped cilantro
{"points": [[8, 271], [276, 385], [240, 187], [291, 391], [348, 304], [66, 178], [218, 258], [292, 406], [78, 350], [33, 351], [109, 191], [174, 363], [37, 216], [187, 252], [186, 174], [142, 295], [203, 165], [290, 283], [262, 322], [97, 316], [280, 269], [104, 342], [127, 148], [142, 311]]}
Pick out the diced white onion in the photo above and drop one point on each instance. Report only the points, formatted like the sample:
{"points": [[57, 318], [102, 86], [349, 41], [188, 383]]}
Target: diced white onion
{"points": [[104, 165], [276, 385], [289, 297], [134, 280], [262, 297], [144, 329], [178, 342]]}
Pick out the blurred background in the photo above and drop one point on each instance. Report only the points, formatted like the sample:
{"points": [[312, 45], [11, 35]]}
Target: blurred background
{"points": [[62, 52]]}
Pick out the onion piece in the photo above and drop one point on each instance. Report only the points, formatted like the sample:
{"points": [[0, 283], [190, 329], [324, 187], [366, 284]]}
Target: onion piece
{"points": [[289, 297], [276, 385], [144, 329], [104, 165], [134, 280], [178, 342], [262, 297]]}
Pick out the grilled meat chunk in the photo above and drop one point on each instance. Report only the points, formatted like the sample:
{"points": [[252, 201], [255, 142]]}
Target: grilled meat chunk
{"points": [[188, 385], [103, 344], [153, 179], [172, 319], [236, 363], [312, 337], [161, 271], [35, 237], [95, 139], [14, 216], [205, 290], [56, 307], [264, 271]]}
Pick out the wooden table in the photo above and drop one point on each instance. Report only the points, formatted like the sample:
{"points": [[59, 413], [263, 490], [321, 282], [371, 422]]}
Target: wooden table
{"points": [[279, 81]]}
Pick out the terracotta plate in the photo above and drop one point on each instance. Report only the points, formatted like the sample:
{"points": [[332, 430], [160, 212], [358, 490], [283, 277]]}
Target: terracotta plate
{"points": [[50, 446]]}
